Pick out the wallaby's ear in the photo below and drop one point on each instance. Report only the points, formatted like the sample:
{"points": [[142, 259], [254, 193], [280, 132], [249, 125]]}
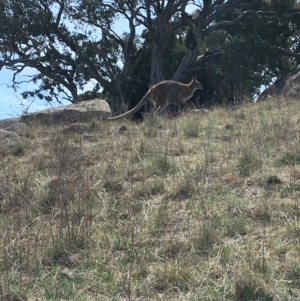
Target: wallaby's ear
{"points": [[194, 78]]}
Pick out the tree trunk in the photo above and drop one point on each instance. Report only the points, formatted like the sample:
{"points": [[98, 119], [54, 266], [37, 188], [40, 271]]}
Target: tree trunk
{"points": [[117, 104], [75, 96], [157, 65], [190, 57], [162, 37], [117, 100]]}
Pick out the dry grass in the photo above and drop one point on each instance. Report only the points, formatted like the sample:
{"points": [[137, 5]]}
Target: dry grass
{"points": [[191, 208]]}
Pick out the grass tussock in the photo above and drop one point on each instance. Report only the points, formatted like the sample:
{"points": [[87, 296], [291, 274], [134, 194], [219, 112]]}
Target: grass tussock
{"points": [[189, 208]]}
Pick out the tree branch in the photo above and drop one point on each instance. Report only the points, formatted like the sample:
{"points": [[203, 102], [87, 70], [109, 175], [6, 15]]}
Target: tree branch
{"points": [[271, 14], [60, 12], [224, 24], [287, 51]]}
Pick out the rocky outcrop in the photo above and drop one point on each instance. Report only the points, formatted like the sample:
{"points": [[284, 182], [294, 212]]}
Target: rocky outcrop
{"points": [[81, 112], [286, 86], [12, 124], [292, 86], [9, 129], [9, 138]]}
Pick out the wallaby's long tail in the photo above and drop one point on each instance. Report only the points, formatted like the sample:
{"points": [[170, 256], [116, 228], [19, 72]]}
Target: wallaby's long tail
{"points": [[133, 110]]}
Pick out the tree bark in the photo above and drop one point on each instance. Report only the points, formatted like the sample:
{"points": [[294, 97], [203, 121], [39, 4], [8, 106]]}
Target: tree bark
{"points": [[163, 39], [118, 105], [190, 57], [157, 65]]}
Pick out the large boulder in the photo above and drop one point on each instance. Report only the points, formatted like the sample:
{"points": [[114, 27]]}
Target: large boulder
{"points": [[9, 132], [292, 86], [79, 112], [9, 138], [286, 86], [12, 125]]}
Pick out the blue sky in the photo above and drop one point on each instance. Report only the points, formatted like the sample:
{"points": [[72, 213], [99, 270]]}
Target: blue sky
{"points": [[11, 102]]}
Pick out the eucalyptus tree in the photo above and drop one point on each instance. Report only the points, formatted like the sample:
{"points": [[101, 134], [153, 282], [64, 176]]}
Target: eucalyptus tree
{"points": [[34, 35], [70, 43], [163, 19], [263, 47], [116, 51]]}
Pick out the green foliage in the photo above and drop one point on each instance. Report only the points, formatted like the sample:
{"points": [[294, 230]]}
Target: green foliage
{"points": [[71, 43], [88, 95], [189, 36], [77, 57], [250, 52], [248, 62]]}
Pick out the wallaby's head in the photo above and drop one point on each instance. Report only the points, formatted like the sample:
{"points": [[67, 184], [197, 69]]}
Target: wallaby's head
{"points": [[195, 84]]}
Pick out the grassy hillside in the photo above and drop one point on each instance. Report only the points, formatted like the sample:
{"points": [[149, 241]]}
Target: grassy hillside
{"points": [[200, 207]]}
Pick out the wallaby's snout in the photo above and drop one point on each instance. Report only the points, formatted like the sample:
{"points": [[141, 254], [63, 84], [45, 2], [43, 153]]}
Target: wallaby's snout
{"points": [[196, 84]]}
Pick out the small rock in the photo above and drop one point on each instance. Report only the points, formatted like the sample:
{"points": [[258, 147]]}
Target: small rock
{"points": [[225, 138], [68, 273], [273, 180], [122, 129], [78, 127], [199, 111]]}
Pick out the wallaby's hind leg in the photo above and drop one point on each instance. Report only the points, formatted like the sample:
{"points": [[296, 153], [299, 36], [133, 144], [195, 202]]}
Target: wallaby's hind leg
{"points": [[150, 107], [160, 110]]}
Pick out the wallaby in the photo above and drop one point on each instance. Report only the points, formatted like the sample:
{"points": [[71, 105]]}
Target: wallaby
{"points": [[164, 93]]}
